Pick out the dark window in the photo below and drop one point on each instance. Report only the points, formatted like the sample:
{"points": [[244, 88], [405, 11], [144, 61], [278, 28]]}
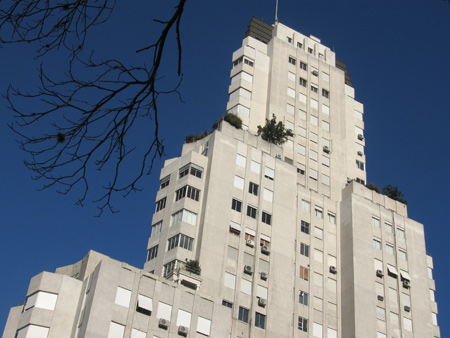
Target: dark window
{"points": [[188, 191], [325, 93], [227, 304], [143, 310], [260, 320], [360, 165], [253, 188], [314, 89], [165, 182], [243, 314], [161, 204], [303, 82], [251, 211], [196, 172], [303, 65], [303, 298], [310, 50], [300, 171], [152, 253], [266, 218], [360, 181], [304, 249], [292, 60], [303, 324], [304, 227], [236, 205], [193, 169], [299, 45]]}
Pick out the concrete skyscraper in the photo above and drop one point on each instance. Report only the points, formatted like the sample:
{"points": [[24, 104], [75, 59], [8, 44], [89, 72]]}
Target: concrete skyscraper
{"points": [[289, 242]]}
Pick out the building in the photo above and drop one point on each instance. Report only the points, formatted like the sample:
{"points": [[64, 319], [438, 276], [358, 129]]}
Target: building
{"points": [[289, 241]]}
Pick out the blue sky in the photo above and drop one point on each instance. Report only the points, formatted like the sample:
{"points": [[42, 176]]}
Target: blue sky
{"points": [[397, 53]]}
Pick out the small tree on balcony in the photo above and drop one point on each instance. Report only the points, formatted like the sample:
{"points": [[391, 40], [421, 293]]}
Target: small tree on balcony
{"points": [[274, 132], [394, 193], [193, 266]]}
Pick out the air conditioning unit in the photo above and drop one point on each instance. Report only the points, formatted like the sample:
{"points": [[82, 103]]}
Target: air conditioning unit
{"points": [[326, 149], [407, 308], [315, 72], [163, 323], [183, 330], [360, 153], [380, 273], [248, 269], [380, 298], [406, 284], [264, 275], [265, 250], [333, 269], [250, 243], [262, 302], [360, 137]]}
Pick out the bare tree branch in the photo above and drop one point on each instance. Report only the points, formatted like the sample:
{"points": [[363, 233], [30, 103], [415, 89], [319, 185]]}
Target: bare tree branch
{"points": [[90, 116], [53, 24]]}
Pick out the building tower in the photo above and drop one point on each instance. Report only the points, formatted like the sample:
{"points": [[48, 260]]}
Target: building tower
{"points": [[251, 239]]}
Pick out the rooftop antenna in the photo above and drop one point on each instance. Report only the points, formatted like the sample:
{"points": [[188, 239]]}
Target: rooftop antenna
{"points": [[276, 12]]}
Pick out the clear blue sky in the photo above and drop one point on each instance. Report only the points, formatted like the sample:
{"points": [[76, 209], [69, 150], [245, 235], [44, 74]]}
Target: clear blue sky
{"points": [[397, 53]]}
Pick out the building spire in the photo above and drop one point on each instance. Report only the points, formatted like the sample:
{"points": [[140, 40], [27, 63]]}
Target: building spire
{"points": [[276, 12]]}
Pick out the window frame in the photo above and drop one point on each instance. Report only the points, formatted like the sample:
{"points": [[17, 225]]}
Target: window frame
{"points": [[252, 211], [236, 205], [253, 188], [243, 315], [266, 218], [305, 227]]}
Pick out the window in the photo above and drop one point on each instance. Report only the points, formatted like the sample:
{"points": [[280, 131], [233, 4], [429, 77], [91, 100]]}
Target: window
{"points": [[260, 320], [304, 273], [235, 229], [188, 191], [360, 181], [249, 234], [303, 65], [331, 218], [243, 314], [376, 222], [388, 228], [304, 249], [268, 195], [402, 254], [401, 233], [318, 233], [299, 45], [381, 313], [34, 331], [204, 326], [185, 216], [239, 182], [291, 92], [314, 71], [152, 253], [377, 243], [180, 240], [314, 89], [170, 267], [310, 50], [389, 249], [253, 188], [191, 168], [319, 213], [301, 169], [251, 211], [144, 305], [360, 165], [292, 60], [303, 324], [266, 218], [236, 205], [264, 240], [306, 206], [123, 297], [165, 182], [161, 204], [317, 330], [227, 304], [288, 39], [291, 76], [303, 297], [269, 173], [291, 110], [320, 56], [244, 59], [42, 300], [156, 228], [303, 82], [240, 160], [325, 125], [325, 93], [304, 227], [407, 324]]}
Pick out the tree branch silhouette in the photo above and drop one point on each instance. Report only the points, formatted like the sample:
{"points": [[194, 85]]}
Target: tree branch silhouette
{"points": [[91, 115]]}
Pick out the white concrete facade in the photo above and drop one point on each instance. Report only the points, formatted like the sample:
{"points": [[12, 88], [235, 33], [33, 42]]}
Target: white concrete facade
{"points": [[289, 241]]}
